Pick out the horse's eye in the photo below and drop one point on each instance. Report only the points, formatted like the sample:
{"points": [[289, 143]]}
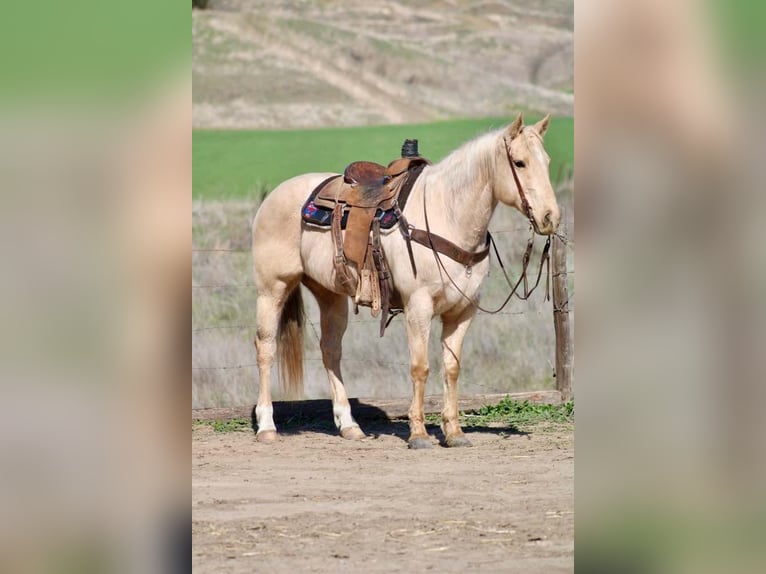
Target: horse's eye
{"points": [[520, 164]]}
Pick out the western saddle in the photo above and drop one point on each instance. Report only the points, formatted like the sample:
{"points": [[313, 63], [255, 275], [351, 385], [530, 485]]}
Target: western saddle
{"points": [[366, 198]]}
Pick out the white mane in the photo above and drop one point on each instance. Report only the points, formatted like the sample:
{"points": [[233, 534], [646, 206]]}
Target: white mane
{"points": [[472, 162]]}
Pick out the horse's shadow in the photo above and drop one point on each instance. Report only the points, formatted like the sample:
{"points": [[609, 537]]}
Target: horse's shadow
{"points": [[401, 429], [316, 416]]}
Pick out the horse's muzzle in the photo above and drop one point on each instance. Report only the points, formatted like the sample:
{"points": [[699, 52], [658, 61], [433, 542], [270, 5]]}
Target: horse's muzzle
{"points": [[549, 222]]}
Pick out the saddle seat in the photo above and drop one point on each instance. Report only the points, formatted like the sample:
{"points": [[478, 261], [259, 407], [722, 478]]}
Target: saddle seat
{"points": [[369, 173], [366, 173], [366, 184]]}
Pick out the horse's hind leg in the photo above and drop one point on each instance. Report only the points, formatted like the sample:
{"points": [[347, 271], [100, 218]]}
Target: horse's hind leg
{"points": [[333, 310], [269, 308], [453, 333]]}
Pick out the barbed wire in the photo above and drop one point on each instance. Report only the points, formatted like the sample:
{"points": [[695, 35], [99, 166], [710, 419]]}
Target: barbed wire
{"points": [[315, 324], [219, 250], [243, 285], [215, 327], [567, 242], [562, 308], [564, 239], [310, 359], [312, 323], [225, 286]]}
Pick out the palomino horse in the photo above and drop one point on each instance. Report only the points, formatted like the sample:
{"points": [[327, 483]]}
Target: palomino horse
{"points": [[458, 195]]}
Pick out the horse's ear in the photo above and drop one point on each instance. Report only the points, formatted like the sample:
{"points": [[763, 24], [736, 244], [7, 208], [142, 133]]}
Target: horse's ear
{"points": [[542, 126], [515, 128]]}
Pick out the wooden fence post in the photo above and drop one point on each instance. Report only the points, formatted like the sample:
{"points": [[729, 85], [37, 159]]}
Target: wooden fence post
{"points": [[561, 318]]}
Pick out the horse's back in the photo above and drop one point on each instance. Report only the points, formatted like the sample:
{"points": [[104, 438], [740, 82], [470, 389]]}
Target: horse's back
{"points": [[286, 200], [276, 230]]}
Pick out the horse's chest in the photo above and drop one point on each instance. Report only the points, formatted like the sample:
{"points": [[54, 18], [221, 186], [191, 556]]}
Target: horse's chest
{"points": [[457, 294]]}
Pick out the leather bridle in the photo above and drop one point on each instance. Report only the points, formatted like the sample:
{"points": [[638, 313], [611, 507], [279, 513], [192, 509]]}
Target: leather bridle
{"points": [[519, 187], [544, 257]]}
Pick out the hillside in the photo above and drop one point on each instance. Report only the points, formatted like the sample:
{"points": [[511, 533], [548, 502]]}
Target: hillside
{"points": [[297, 64]]}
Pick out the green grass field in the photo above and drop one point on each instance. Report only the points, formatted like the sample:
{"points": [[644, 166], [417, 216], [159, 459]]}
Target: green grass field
{"points": [[231, 164]]}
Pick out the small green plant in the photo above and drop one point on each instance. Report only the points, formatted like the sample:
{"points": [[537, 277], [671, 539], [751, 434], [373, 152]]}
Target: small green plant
{"points": [[233, 425], [523, 412], [512, 413]]}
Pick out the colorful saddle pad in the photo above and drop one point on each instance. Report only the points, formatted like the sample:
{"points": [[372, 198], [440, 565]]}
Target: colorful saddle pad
{"points": [[322, 216]]}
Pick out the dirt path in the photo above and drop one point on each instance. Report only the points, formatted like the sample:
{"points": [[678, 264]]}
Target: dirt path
{"points": [[316, 503]]}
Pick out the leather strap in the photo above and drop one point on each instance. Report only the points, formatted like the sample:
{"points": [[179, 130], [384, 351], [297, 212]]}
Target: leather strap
{"points": [[357, 234], [412, 176], [446, 247], [385, 282], [522, 195], [339, 260], [319, 188], [404, 228]]}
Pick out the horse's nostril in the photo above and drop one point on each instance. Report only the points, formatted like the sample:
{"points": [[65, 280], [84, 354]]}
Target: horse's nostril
{"points": [[547, 218]]}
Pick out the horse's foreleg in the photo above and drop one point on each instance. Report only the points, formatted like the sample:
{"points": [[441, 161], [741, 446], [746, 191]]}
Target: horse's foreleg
{"points": [[418, 321], [453, 333]]}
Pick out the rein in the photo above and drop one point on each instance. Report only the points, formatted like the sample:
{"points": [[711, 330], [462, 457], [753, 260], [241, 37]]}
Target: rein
{"points": [[544, 257]]}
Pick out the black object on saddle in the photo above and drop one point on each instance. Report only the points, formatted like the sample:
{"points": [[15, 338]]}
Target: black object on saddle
{"points": [[410, 148]]}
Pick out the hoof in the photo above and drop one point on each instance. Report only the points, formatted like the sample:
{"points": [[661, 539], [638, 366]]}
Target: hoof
{"points": [[418, 443], [352, 433], [457, 441], [267, 436]]}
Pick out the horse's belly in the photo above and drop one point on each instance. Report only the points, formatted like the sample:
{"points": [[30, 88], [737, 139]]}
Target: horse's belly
{"points": [[317, 254]]}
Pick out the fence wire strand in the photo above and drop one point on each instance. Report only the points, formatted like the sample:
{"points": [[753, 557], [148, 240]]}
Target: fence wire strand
{"points": [[311, 359], [563, 308]]}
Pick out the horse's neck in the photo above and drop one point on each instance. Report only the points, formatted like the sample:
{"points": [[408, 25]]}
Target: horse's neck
{"points": [[459, 207]]}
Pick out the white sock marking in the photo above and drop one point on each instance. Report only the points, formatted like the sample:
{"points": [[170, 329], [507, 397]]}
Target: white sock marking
{"points": [[343, 418], [264, 414]]}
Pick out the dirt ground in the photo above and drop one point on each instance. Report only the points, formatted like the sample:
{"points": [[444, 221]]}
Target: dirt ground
{"points": [[316, 503]]}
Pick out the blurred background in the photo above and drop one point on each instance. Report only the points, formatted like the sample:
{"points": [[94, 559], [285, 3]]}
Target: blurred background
{"points": [[95, 196], [670, 141], [283, 88]]}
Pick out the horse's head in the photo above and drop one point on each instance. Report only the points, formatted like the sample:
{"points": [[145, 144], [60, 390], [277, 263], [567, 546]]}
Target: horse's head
{"points": [[520, 149]]}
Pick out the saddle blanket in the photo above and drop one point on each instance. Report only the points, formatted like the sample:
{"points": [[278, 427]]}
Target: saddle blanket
{"points": [[321, 216]]}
